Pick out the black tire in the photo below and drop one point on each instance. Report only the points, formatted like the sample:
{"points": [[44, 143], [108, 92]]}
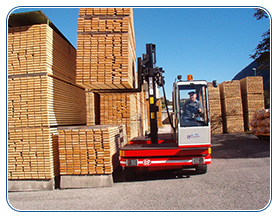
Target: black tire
{"points": [[201, 169], [130, 173]]}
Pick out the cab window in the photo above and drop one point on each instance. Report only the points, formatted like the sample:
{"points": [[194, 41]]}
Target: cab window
{"points": [[192, 105]]}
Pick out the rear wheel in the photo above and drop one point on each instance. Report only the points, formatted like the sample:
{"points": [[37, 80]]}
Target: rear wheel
{"points": [[130, 173], [201, 169]]}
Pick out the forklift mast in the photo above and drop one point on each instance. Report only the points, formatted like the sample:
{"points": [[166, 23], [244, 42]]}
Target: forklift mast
{"points": [[153, 76]]}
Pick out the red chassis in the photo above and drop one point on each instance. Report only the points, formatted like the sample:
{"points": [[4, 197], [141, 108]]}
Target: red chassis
{"points": [[140, 154]]}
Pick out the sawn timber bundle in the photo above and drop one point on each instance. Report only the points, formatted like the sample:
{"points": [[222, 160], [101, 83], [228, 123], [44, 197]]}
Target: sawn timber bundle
{"points": [[252, 97], [106, 49], [35, 101], [42, 94], [89, 150], [232, 110]]}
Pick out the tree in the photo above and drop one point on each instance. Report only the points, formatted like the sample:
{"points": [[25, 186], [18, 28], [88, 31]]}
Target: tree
{"points": [[262, 51]]}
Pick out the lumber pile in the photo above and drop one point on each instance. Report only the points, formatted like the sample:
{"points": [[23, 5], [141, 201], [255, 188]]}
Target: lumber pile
{"points": [[41, 96], [39, 49], [260, 123], [32, 153], [232, 111], [106, 60], [106, 48], [252, 97], [35, 101], [215, 109], [89, 150], [122, 108]]}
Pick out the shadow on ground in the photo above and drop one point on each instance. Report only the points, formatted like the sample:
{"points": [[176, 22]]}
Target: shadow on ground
{"points": [[239, 145], [119, 176]]}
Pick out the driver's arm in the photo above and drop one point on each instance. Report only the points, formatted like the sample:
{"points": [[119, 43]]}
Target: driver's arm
{"points": [[199, 105]]}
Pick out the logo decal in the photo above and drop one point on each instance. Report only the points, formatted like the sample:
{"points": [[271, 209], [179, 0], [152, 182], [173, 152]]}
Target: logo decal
{"points": [[146, 162], [196, 135]]}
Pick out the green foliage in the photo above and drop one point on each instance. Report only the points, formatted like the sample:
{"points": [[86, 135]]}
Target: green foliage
{"points": [[262, 51]]}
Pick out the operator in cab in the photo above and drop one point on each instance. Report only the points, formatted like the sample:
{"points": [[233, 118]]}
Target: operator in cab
{"points": [[192, 107]]}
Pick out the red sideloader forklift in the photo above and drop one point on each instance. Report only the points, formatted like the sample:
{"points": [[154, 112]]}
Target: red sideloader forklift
{"points": [[189, 145]]}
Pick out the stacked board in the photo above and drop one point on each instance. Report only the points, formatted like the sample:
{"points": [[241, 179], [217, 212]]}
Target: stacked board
{"points": [[215, 109], [120, 108], [232, 111], [35, 101], [252, 97], [106, 48], [32, 153], [89, 150], [38, 48], [41, 96]]}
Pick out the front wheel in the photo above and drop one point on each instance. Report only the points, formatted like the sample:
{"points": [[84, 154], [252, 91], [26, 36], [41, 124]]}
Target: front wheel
{"points": [[201, 169]]}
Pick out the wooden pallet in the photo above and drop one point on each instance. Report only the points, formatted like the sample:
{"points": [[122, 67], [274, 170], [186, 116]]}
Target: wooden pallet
{"points": [[35, 101], [32, 153], [86, 150]]}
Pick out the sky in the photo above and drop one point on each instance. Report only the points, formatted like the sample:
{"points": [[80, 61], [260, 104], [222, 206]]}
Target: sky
{"points": [[209, 43]]}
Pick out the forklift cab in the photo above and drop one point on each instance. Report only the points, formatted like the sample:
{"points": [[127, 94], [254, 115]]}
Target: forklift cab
{"points": [[191, 113]]}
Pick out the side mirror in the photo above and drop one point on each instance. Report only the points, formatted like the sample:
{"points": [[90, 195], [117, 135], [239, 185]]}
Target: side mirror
{"points": [[215, 83]]}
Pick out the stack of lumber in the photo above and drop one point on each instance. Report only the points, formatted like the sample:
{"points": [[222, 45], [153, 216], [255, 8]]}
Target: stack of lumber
{"points": [[41, 96], [120, 108], [215, 110], [87, 150], [252, 97], [106, 48], [39, 49], [260, 123], [35, 101], [232, 111], [32, 153]]}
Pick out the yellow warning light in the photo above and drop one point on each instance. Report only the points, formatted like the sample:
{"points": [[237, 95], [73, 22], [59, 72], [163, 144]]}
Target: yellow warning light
{"points": [[189, 77]]}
